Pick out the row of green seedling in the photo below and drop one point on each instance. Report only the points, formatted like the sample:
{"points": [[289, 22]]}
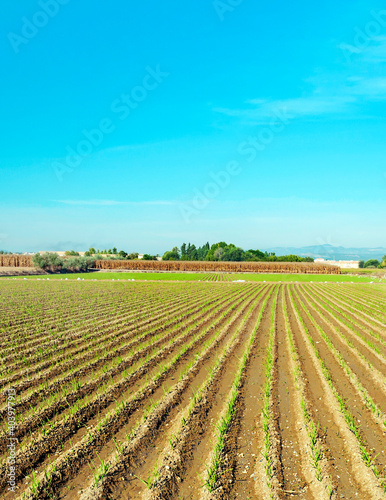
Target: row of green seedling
{"points": [[125, 406], [120, 453], [367, 456]]}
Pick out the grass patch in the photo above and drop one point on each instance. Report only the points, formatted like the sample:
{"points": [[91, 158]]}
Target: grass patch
{"points": [[203, 277]]}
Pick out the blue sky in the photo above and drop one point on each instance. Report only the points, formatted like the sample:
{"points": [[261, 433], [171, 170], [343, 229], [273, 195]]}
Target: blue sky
{"points": [[146, 124]]}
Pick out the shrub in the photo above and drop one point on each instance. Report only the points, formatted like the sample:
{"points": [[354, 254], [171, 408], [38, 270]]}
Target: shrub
{"points": [[149, 257], [78, 264], [48, 261], [52, 262]]}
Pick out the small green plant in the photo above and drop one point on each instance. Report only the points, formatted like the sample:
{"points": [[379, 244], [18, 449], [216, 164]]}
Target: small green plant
{"points": [[34, 484], [99, 474], [152, 478], [173, 440]]}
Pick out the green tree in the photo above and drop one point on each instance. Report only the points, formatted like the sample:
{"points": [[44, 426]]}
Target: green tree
{"points": [[48, 261], [202, 252], [146, 256], [192, 252], [228, 252], [233, 253], [71, 252], [171, 255], [218, 253], [372, 263], [255, 255]]}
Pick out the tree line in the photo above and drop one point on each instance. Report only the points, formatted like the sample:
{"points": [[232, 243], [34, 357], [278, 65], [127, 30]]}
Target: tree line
{"points": [[227, 252], [113, 253], [73, 262], [373, 263]]}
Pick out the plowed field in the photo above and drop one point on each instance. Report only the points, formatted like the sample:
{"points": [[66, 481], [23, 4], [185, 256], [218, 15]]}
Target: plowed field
{"points": [[192, 390]]}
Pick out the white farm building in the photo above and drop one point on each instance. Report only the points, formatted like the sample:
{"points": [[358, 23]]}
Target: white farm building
{"points": [[343, 264]]}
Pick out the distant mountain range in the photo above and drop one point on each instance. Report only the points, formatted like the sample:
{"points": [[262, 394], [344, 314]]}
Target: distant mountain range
{"points": [[330, 252]]}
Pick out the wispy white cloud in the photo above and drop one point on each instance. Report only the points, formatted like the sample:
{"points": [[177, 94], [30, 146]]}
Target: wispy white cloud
{"points": [[343, 92], [105, 203], [125, 149], [370, 88], [377, 51], [338, 99], [301, 106], [372, 51]]}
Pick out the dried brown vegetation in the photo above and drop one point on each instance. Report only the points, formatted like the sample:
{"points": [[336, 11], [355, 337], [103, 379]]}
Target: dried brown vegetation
{"points": [[231, 267], [16, 261]]}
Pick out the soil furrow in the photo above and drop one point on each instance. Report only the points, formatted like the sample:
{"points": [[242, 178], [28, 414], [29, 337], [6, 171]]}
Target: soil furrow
{"points": [[371, 433], [190, 485], [148, 458], [340, 457], [366, 332], [74, 427], [82, 371], [286, 413], [372, 382], [102, 440], [363, 318], [370, 353], [79, 347]]}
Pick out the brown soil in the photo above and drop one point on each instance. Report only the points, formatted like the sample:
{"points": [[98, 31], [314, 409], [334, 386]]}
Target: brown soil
{"points": [[147, 459], [190, 485], [356, 363], [288, 418], [76, 427], [339, 456], [243, 446], [128, 316], [371, 433], [368, 353], [21, 271], [103, 447]]}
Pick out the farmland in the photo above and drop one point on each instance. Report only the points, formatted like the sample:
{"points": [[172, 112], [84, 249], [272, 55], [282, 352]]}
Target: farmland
{"points": [[184, 389]]}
